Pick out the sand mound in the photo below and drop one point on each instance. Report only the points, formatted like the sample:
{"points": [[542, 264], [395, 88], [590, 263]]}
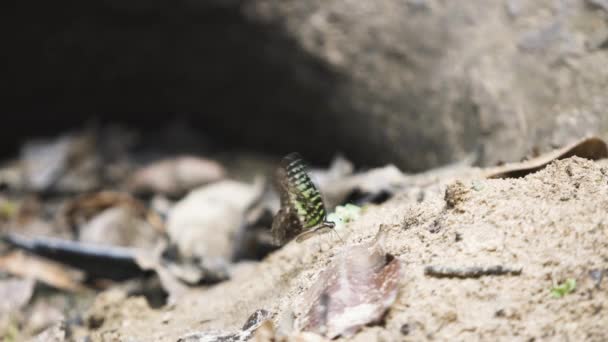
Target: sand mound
{"points": [[553, 225]]}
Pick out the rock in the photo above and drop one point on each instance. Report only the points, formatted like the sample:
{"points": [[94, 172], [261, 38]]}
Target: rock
{"points": [[475, 77], [203, 224], [176, 176]]}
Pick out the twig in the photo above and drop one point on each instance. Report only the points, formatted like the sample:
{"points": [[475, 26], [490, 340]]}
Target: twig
{"points": [[469, 272]]}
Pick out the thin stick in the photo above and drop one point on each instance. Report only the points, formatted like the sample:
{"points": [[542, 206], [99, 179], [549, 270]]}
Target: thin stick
{"points": [[470, 272]]}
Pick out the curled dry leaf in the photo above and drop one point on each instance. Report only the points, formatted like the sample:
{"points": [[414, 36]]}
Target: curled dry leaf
{"points": [[50, 273], [366, 186], [152, 261], [45, 162], [176, 176], [254, 322], [354, 290], [15, 294], [119, 226], [84, 208], [55, 333], [176, 275], [66, 164], [590, 148]]}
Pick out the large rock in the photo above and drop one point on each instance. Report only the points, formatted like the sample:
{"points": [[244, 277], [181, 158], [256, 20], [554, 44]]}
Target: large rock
{"points": [[417, 82], [424, 82]]}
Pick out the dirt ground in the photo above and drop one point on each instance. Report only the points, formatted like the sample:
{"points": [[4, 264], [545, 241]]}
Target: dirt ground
{"points": [[552, 224]]}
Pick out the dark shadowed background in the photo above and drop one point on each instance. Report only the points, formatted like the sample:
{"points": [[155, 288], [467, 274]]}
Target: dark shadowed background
{"points": [[416, 83]]}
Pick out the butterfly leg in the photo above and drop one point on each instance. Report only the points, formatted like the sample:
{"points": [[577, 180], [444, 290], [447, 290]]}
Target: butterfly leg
{"points": [[320, 244], [338, 235]]}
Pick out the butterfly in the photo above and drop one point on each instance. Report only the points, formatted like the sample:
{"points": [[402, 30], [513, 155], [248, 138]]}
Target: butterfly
{"points": [[302, 214]]}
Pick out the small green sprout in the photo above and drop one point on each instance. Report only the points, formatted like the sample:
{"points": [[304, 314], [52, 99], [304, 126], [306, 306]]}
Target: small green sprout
{"points": [[564, 288]]}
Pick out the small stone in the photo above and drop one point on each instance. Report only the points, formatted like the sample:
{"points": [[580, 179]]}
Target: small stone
{"points": [[455, 194], [405, 329], [597, 276]]}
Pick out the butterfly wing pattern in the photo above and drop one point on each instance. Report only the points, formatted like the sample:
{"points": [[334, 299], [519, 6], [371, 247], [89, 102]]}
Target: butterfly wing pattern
{"points": [[302, 213]]}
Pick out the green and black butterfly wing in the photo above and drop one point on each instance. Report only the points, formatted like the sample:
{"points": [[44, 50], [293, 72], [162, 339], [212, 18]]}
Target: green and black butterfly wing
{"points": [[302, 210], [286, 223]]}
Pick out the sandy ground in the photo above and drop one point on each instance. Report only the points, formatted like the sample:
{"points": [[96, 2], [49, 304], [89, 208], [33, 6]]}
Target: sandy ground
{"points": [[552, 224]]}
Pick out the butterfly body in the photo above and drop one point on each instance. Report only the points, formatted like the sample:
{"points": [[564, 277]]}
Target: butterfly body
{"points": [[302, 213]]}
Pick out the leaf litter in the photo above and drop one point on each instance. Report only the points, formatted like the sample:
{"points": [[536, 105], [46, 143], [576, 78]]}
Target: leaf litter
{"points": [[201, 245]]}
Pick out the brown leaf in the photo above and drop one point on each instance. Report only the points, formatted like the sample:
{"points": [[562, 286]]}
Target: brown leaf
{"points": [[119, 226], [48, 272], [85, 207], [176, 176], [590, 148], [354, 290]]}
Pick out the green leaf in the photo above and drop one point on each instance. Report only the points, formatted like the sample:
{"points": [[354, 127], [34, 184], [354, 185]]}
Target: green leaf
{"points": [[564, 288], [344, 214]]}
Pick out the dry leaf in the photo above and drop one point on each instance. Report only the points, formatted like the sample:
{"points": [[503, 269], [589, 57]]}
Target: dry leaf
{"points": [[254, 322], [15, 294], [369, 184], [151, 261], [85, 207], [119, 226], [590, 148], [66, 164], [176, 275], [56, 333], [354, 290], [48, 272], [176, 176], [96, 260]]}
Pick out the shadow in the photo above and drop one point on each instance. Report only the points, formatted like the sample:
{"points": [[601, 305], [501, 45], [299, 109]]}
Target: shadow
{"points": [[142, 63]]}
